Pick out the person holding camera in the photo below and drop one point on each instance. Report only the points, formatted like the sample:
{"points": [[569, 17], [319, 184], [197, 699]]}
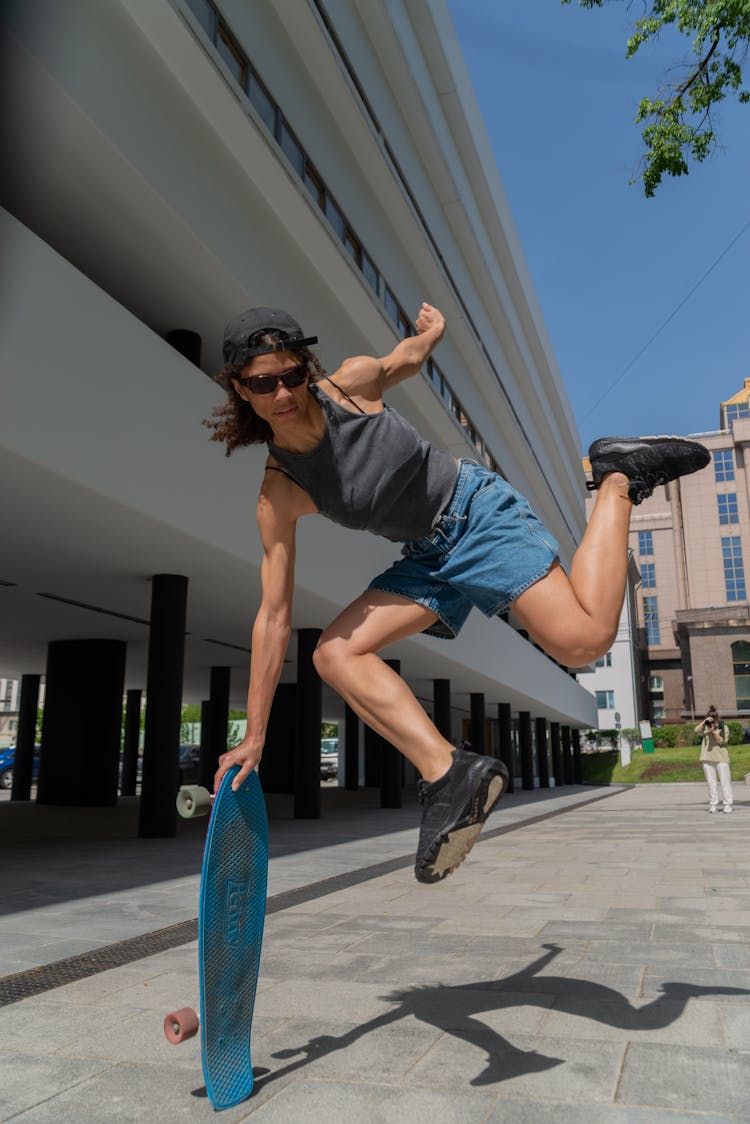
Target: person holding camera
{"points": [[715, 760]]}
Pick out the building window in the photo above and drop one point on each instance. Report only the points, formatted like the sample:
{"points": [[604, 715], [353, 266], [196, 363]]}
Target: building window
{"points": [[656, 692], [391, 306], [648, 575], [335, 218], [370, 272], [741, 668], [604, 661], [205, 15], [728, 508], [433, 374], [314, 184], [353, 247], [262, 101], [293, 149], [737, 410], [723, 465], [605, 700], [651, 620], [734, 569], [645, 542], [231, 55]]}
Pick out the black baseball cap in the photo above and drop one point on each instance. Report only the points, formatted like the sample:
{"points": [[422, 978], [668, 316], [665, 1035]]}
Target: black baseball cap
{"points": [[239, 331]]}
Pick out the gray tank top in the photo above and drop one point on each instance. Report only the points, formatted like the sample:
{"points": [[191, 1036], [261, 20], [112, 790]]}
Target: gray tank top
{"points": [[372, 472]]}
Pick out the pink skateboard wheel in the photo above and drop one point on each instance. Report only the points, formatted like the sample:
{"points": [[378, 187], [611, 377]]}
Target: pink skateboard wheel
{"points": [[180, 1025]]}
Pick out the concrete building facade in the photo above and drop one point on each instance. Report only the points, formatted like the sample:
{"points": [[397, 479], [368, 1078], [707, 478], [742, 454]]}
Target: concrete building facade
{"points": [[617, 679], [174, 162]]}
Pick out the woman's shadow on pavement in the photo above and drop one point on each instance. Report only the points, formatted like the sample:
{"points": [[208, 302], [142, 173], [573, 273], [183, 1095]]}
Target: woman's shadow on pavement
{"points": [[452, 1010]]}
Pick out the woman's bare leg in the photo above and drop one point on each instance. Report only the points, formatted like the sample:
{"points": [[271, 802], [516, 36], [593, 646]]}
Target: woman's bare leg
{"points": [[345, 658], [576, 619]]}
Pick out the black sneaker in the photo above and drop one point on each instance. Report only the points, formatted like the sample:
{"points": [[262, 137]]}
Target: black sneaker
{"points": [[647, 461], [455, 808]]}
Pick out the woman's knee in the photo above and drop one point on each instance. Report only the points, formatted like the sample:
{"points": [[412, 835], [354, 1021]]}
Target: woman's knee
{"points": [[330, 657], [585, 646]]}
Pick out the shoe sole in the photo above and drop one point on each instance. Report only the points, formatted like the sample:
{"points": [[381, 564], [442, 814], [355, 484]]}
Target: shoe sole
{"points": [[629, 444], [455, 845]]}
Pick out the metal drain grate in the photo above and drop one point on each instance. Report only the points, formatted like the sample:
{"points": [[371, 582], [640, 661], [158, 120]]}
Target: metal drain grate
{"points": [[49, 976]]}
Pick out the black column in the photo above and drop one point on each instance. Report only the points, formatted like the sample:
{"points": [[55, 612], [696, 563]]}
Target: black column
{"points": [[567, 755], [542, 755], [85, 681], [161, 743], [218, 719], [577, 764], [558, 770], [276, 769], [505, 735], [441, 706], [130, 742], [351, 750], [478, 727], [309, 718], [390, 764], [23, 766], [372, 758], [527, 752]]}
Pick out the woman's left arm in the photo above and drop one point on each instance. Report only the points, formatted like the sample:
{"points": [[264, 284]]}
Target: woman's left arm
{"points": [[408, 357]]}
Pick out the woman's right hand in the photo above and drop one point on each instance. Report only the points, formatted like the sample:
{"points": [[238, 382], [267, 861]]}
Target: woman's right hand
{"points": [[247, 755]]}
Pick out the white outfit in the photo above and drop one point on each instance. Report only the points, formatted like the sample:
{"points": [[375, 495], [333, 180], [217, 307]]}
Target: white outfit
{"points": [[715, 760], [718, 773]]}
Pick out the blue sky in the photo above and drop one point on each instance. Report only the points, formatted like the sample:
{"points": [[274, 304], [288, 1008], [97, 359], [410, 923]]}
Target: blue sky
{"points": [[610, 266]]}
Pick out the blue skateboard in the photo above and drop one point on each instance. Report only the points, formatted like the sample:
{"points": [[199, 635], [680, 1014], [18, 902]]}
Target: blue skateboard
{"points": [[231, 914]]}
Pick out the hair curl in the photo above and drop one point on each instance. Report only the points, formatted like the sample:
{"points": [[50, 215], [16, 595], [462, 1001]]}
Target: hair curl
{"points": [[235, 422]]}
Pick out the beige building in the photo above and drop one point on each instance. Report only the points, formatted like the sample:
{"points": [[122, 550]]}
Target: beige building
{"points": [[690, 541]]}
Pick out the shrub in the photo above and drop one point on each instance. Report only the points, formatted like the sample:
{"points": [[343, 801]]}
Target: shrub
{"points": [[736, 733], [611, 737], [666, 735]]}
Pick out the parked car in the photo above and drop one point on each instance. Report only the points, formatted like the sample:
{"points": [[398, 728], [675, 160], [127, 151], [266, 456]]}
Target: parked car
{"points": [[329, 758], [8, 760], [189, 761], [188, 765]]}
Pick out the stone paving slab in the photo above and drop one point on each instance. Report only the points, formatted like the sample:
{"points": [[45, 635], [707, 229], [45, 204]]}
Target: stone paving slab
{"points": [[685, 1077], [320, 1102], [381, 1001]]}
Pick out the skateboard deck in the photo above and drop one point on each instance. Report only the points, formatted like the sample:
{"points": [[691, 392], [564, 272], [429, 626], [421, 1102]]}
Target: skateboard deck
{"points": [[231, 915]]}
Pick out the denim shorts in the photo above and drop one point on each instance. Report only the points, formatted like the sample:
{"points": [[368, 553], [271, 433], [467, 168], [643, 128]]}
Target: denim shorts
{"points": [[486, 548]]}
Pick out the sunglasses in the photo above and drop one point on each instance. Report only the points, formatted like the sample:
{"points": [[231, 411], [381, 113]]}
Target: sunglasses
{"points": [[267, 384]]}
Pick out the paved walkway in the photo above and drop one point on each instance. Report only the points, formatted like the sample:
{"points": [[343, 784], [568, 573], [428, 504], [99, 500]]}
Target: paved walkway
{"points": [[586, 966]]}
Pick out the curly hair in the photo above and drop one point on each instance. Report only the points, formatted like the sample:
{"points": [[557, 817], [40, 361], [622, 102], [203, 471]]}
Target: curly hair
{"points": [[235, 422]]}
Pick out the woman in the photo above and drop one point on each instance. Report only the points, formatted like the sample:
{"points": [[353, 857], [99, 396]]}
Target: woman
{"points": [[469, 539], [715, 760]]}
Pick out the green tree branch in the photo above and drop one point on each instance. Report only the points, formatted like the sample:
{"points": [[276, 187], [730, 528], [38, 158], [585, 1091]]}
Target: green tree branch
{"points": [[677, 124]]}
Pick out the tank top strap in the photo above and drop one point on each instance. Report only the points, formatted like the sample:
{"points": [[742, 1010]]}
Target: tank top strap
{"points": [[342, 391]]}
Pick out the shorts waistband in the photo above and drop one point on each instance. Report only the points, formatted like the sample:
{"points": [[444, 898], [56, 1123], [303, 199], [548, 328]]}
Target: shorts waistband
{"points": [[466, 469]]}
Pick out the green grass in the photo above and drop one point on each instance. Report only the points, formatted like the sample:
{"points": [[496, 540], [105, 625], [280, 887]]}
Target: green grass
{"points": [[679, 763]]}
